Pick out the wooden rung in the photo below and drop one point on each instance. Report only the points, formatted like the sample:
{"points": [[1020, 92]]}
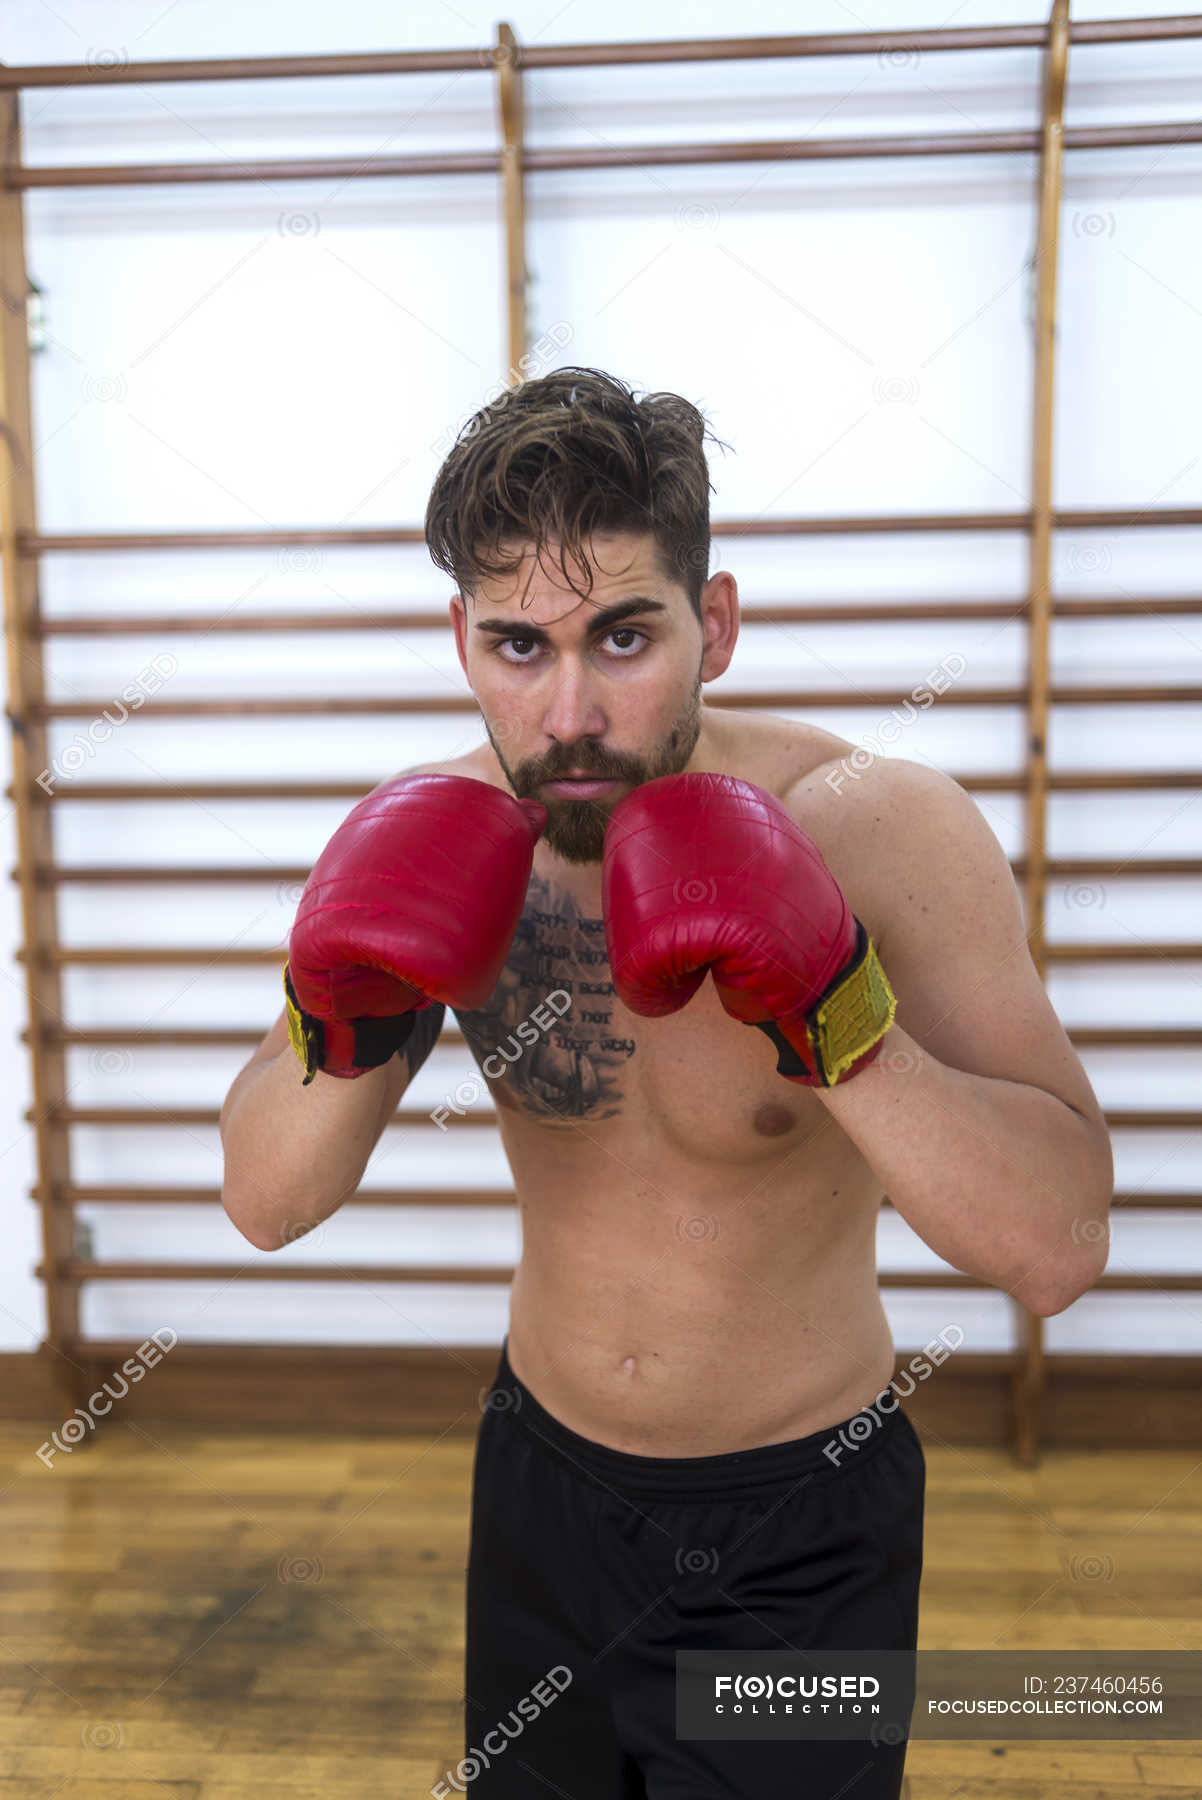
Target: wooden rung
{"points": [[1158, 1281], [1146, 1202], [33, 544], [125, 956], [283, 1270], [138, 792], [269, 1269], [178, 956], [852, 612], [339, 169], [1175, 1119], [1099, 781], [1143, 1119], [1071, 518], [167, 792], [190, 1038], [825, 147], [280, 874], [751, 700], [274, 1266], [163, 1196], [239, 623], [209, 1115], [163, 874], [1064, 868], [196, 1196], [1133, 1036], [1141, 952], [1161, 1037], [613, 53]]}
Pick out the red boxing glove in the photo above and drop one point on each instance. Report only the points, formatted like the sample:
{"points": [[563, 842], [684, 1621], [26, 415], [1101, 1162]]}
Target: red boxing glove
{"points": [[415, 899], [704, 871]]}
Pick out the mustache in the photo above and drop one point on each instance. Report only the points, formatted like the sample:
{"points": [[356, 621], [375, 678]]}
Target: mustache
{"points": [[554, 767]]}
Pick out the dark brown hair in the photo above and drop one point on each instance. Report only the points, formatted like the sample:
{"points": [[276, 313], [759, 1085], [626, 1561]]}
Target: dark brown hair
{"points": [[563, 456]]}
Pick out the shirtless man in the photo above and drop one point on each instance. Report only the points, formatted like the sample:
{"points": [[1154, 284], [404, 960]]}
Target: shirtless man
{"points": [[688, 1443]]}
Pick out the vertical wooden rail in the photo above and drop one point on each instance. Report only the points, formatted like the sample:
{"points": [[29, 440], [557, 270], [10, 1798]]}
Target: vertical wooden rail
{"points": [[26, 687], [513, 132], [1029, 1371]]}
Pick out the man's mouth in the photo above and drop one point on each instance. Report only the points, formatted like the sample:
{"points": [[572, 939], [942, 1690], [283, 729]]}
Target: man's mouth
{"points": [[583, 786]]}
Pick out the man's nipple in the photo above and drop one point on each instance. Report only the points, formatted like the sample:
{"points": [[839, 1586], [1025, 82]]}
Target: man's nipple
{"points": [[773, 1120]]}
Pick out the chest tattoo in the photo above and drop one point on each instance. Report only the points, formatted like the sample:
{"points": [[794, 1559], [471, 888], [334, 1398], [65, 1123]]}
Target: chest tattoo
{"points": [[545, 1040]]}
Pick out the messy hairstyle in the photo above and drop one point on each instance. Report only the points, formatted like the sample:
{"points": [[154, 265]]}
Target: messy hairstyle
{"points": [[565, 455]]}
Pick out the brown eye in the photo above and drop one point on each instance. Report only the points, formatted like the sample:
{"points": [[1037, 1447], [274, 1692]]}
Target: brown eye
{"points": [[628, 631]]}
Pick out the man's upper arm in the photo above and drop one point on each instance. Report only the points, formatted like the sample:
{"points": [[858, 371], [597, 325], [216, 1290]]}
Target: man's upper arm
{"points": [[950, 933]]}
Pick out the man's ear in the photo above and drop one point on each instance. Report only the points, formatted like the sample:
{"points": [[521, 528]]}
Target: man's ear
{"points": [[459, 627], [719, 623]]}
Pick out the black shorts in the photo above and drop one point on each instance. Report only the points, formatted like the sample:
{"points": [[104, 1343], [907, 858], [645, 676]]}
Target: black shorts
{"points": [[590, 1567]]}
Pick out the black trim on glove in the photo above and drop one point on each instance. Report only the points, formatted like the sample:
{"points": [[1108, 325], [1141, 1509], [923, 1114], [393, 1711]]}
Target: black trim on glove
{"points": [[374, 1040]]}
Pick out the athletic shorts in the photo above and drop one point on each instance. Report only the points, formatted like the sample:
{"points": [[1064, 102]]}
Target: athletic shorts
{"points": [[590, 1567]]}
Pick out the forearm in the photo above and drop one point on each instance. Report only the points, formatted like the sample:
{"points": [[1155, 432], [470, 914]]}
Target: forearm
{"points": [[1002, 1180], [294, 1153]]}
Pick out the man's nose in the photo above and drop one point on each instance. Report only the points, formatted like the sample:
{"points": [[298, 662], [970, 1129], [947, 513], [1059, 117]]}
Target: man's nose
{"points": [[572, 711]]}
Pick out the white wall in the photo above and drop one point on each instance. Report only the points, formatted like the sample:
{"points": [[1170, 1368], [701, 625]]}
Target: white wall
{"points": [[273, 353]]}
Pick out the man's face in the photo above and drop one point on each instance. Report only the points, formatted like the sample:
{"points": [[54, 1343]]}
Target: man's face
{"points": [[607, 687]]}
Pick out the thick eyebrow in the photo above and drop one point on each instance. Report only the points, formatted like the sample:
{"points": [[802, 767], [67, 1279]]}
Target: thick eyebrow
{"points": [[606, 619]]}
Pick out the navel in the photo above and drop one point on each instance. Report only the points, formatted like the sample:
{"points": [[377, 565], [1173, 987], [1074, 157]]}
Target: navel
{"points": [[772, 1119]]}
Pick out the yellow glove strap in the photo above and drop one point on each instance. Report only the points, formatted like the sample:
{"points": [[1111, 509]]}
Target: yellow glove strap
{"points": [[303, 1037], [853, 1016]]}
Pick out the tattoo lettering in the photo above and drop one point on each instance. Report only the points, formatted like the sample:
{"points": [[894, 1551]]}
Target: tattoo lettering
{"points": [[572, 1070]]}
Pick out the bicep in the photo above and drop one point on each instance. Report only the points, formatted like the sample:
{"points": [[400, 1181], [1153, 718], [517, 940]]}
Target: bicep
{"points": [[954, 945]]}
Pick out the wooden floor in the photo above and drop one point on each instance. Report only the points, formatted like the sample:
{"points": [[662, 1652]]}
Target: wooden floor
{"points": [[212, 1617]]}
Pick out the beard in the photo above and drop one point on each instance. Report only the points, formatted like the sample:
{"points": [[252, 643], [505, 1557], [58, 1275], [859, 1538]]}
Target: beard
{"points": [[575, 829]]}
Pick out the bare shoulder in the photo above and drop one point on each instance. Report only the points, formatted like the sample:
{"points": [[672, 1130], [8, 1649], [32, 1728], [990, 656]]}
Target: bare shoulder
{"points": [[477, 765], [877, 794], [776, 753], [909, 841], [904, 833]]}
